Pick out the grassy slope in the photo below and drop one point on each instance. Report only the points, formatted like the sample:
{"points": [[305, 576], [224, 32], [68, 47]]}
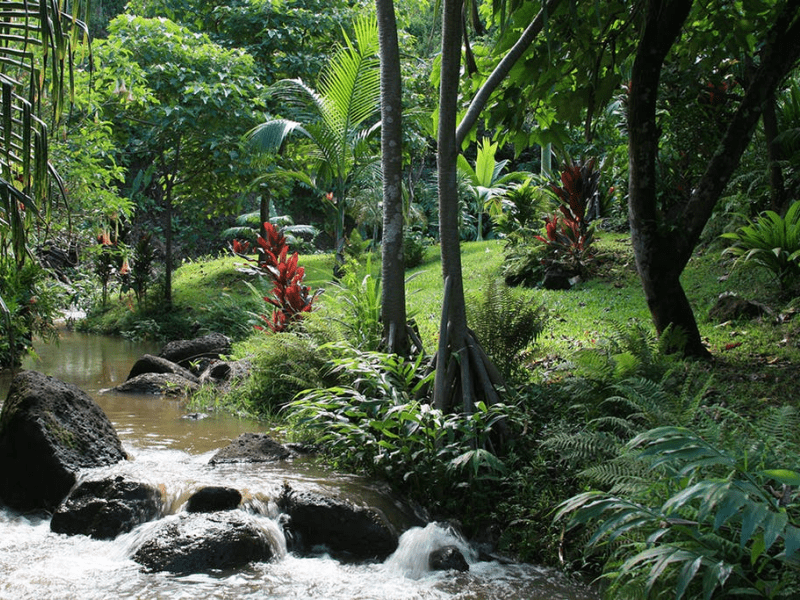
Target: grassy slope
{"points": [[756, 360]]}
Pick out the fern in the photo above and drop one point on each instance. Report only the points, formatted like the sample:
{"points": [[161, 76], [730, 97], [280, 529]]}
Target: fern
{"points": [[506, 323], [584, 446], [619, 476], [688, 517], [780, 425]]}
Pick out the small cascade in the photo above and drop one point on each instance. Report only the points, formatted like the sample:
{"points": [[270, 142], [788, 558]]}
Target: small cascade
{"points": [[412, 555], [173, 454]]}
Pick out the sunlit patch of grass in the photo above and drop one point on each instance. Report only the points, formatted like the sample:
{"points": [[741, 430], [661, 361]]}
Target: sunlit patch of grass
{"points": [[425, 286]]}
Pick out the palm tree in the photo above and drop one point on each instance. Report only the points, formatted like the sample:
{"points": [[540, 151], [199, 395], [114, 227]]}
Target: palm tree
{"points": [[37, 44], [484, 180], [338, 119]]}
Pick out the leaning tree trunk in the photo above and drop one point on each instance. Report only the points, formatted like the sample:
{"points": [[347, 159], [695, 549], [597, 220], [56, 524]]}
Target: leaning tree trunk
{"points": [[663, 291], [393, 294], [463, 372], [663, 243]]}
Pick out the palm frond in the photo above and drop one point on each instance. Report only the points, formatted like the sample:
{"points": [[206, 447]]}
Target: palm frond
{"points": [[269, 137], [37, 45], [351, 81]]}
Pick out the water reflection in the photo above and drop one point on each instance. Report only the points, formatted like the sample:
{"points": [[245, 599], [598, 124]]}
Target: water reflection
{"points": [[95, 363]]}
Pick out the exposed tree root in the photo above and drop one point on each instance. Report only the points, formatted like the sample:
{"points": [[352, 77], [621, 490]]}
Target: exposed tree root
{"points": [[464, 373]]}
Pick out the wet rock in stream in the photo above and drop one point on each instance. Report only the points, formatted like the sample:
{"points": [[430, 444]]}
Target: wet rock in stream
{"points": [[203, 542], [447, 558], [185, 352], [156, 364], [348, 531], [214, 498], [105, 508], [49, 431], [251, 448], [159, 384]]}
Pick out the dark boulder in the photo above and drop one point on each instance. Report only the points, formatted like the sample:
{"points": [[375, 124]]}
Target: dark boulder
{"points": [[185, 352], [105, 508], [155, 364], [345, 529], [447, 558], [158, 384], [558, 278], [251, 448], [732, 307], [49, 431], [223, 374], [203, 542], [214, 498]]}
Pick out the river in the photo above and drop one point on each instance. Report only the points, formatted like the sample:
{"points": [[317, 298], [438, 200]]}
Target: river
{"points": [[173, 451]]}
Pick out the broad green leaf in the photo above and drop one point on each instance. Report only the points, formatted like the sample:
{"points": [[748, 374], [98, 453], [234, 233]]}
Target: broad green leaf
{"points": [[752, 516], [730, 505], [783, 476], [774, 525], [687, 573]]}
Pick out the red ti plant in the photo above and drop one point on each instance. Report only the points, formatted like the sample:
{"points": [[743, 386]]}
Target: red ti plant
{"points": [[241, 247], [577, 194], [568, 234], [290, 298]]}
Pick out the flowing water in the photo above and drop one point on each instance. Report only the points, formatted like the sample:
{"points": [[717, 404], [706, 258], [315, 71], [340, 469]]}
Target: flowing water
{"points": [[172, 451]]}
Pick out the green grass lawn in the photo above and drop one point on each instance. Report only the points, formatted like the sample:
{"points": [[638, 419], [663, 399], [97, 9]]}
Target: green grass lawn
{"points": [[757, 359]]}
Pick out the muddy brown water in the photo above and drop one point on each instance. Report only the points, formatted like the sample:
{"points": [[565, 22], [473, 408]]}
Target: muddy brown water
{"points": [[172, 451]]}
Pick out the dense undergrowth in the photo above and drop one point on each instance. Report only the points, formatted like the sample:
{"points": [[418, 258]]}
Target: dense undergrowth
{"points": [[593, 401]]}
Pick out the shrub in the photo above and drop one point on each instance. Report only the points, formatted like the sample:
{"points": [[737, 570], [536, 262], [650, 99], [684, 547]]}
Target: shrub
{"points": [[355, 303], [281, 366], [771, 242], [705, 519], [505, 324], [142, 267], [27, 308], [568, 233], [373, 422], [413, 248]]}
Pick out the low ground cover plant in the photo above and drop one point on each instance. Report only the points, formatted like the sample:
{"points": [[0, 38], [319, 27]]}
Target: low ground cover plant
{"points": [[772, 242]]}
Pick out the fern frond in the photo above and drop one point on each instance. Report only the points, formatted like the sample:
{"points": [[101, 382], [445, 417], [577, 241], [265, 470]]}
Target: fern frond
{"points": [[585, 445], [624, 428], [623, 475], [780, 426]]}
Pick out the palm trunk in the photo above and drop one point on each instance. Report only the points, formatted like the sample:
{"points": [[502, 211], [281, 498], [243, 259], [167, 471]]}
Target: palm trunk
{"points": [[393, 295]]}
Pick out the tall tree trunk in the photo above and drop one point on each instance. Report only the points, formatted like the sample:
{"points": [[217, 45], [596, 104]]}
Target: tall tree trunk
{"points": [[168, 243], [393, 294], [454, 320], [664, 243]]}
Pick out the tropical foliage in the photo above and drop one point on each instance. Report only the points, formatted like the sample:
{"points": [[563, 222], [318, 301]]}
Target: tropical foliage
{"points": [[569, 232], [290, 298], [338, 120], [374, 422], [485, 182], [39, 42], [771, 242], [705, 519]]}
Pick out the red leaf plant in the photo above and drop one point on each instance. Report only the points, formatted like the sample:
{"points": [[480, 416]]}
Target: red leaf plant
{"points": [[568, 235], [290, 298]]}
